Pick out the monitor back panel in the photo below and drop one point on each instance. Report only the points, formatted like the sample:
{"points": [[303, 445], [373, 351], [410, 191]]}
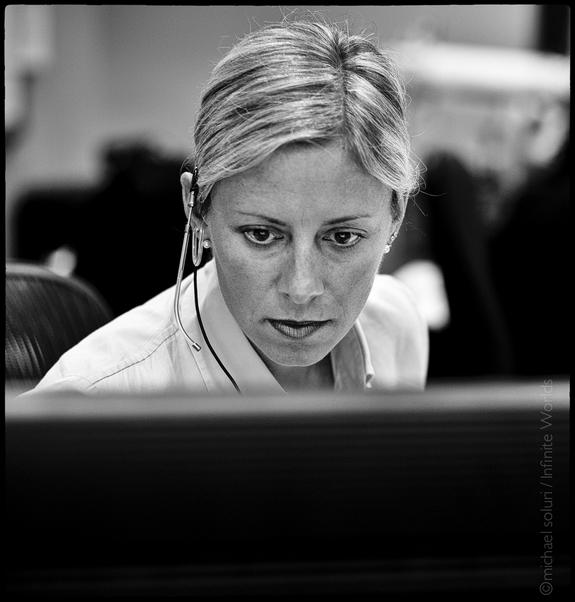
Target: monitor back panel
{"points": [[265, 495]]}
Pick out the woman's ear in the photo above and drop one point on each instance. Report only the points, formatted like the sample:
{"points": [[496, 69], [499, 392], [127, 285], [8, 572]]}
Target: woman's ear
{"points": [[186, 180], [398, 208]]}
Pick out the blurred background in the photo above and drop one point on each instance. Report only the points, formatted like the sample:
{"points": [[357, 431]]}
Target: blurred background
{"points": [[100, 104]]}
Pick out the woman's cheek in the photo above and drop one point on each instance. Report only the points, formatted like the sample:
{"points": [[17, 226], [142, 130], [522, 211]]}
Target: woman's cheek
{"points": [[354, 285], [244, 280]]}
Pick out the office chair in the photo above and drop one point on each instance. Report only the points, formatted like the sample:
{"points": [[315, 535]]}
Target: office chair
{"points": [[46, 314]]}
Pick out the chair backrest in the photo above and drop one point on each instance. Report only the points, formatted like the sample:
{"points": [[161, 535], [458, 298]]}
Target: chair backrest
{"points": [[46, 314]]}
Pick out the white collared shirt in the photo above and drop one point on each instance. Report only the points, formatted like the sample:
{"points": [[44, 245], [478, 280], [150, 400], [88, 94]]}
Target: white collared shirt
{"points": [[144, 351]]}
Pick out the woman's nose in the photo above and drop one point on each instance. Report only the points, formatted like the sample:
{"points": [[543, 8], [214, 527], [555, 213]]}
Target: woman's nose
{"points": [[301, 278]]}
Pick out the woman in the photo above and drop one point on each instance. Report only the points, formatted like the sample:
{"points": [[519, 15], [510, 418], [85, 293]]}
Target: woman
{"points": [[301, 177]]}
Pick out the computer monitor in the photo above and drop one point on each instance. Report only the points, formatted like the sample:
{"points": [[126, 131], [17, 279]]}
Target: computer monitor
{"points": [[461, 488]]}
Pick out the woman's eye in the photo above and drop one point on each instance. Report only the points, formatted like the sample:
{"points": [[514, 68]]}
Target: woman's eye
{"points": [[261, 236], [344, 238]]}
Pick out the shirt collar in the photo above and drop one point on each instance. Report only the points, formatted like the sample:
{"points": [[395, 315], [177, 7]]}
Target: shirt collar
{"points": [[351, 361]]}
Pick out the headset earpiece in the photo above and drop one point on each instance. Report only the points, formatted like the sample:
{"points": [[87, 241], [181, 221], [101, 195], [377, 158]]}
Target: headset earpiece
{"points": [[197, 245], [190, 189]]}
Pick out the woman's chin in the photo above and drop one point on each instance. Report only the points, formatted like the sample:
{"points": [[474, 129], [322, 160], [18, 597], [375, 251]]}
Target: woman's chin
{"points": [[291, 358]]}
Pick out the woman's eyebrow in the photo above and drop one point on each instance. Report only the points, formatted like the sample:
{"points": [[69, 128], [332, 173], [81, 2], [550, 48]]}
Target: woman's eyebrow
{"points": [[347, 218], [265, 218], [331, 222]]}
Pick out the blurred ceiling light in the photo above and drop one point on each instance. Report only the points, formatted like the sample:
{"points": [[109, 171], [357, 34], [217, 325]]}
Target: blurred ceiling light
{"points": [[484, 69]]}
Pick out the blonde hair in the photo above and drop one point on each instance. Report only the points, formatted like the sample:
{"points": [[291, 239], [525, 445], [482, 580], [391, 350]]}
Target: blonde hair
{"points": [[303, 82]]}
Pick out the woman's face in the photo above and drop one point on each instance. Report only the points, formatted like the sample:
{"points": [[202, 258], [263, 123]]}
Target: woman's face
{"points": [[297, 243]]}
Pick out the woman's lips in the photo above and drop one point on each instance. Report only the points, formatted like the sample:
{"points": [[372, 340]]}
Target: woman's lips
{"points": [[297, 330]]}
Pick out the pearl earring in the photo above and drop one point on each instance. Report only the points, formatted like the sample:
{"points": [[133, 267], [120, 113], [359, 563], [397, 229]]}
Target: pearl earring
{"points": [[207, 244], [387, 247]]}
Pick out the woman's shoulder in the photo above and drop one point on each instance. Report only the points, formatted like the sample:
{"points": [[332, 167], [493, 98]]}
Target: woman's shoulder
{"points": [[396, 332], [119, 355], [393, 302]]}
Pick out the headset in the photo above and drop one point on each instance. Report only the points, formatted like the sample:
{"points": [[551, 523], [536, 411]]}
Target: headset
{"points": [[198, 246]]}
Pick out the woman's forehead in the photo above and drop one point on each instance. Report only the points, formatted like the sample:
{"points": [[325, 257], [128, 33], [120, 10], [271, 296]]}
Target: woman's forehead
{"points": [[319, 175]]}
